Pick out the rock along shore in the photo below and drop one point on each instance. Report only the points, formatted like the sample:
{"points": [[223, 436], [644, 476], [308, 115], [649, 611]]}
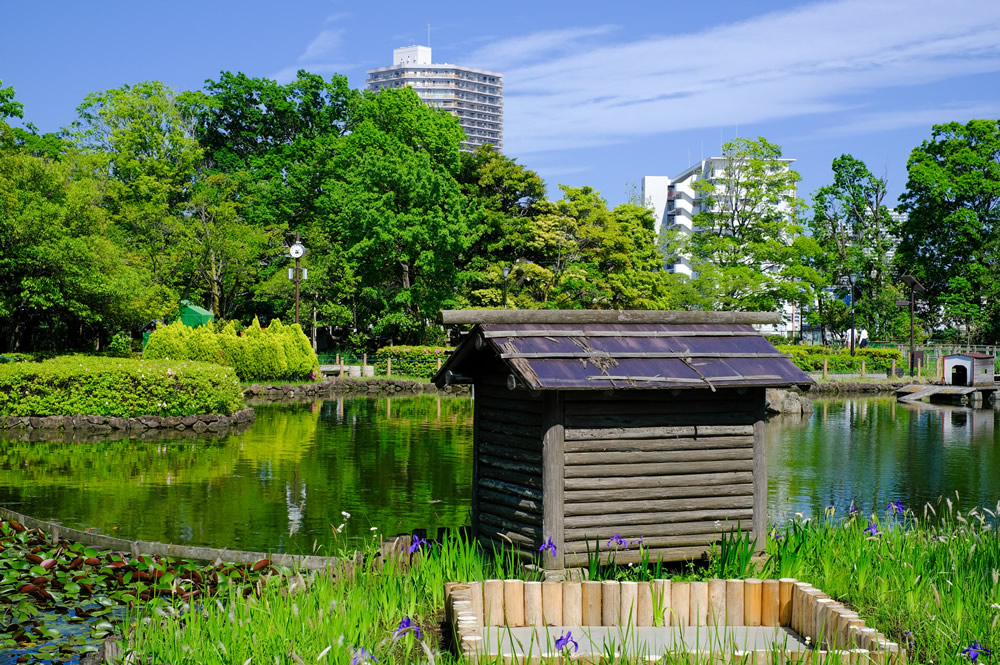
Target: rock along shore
{"points": [[209, 422], [277, 392]]}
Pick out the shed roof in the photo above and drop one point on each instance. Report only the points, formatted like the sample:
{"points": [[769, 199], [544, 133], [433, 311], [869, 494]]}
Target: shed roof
{"points": [[602, 356], [978, 356]]}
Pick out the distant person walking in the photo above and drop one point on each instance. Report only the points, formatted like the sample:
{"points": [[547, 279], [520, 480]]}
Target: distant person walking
{"points": [[863, 338]]}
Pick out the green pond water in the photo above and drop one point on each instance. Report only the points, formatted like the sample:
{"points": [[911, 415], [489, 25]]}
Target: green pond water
{"points": [[396, 464]]}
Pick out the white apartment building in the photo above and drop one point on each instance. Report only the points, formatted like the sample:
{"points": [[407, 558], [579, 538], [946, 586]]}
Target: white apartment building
{"points": [[675, 203], [474, 96]]}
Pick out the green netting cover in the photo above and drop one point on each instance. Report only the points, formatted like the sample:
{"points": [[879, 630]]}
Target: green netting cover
{"points": [[194, 316]]}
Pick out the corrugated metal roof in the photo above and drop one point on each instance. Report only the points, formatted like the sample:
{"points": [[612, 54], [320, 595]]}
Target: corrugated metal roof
{"points": [[602, 356]]}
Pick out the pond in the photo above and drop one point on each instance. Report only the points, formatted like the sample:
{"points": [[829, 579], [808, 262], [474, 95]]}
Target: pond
{"points": [[396, 464]]}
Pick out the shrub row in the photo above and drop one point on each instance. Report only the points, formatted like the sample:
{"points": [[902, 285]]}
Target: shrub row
{"points": [[120, 387], [277, 353], [810, 358], [419, 361]]}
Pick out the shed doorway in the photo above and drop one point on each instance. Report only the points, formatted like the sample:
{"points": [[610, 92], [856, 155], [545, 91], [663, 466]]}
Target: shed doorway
{"points": [[959, 375]]}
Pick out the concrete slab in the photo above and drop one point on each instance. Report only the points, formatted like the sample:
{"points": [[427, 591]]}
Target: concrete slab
{"points": [[638, 642]]}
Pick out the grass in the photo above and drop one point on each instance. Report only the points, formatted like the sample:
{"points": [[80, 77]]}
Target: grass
{"points": [[929, 580]]}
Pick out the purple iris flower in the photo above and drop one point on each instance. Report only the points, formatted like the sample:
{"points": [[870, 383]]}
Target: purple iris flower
{"points": [[872, 529], [548, 546], [417, 543], [618, 541], [565, 640], [406, 625], [853, 510], [362, 656], [896, 507], [975, 650], [636, 542]]}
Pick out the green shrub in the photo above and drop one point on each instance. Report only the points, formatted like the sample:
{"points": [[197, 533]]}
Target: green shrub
{"points": [[120, 346], [278, 353], [810, 358], [168, 342], [103, 386], [17, 358], [420, 361]]}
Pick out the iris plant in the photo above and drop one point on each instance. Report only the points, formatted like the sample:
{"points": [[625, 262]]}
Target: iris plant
{"points": [[872, 529], [618, 541], [417, 543], [895, 507], [548, 546], [362, 656], [975, 650], [406, 625], [565, 640]]}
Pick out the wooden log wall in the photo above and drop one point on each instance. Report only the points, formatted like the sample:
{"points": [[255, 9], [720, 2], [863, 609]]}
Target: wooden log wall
{"points": [[828, 626], [507, 470], [675, 468]]}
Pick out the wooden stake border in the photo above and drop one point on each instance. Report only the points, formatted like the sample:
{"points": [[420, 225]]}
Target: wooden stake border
{"points": [[833, 632]]}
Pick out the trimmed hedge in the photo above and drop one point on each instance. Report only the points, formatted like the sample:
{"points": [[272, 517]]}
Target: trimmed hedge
{"points": [[419, 361], [120, 387], [277, 353], [810, 358]]}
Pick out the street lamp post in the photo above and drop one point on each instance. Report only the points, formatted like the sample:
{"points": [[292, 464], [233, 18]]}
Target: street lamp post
{"points": [[915, 286], [854, 332], [506, 272], [296, 251]]}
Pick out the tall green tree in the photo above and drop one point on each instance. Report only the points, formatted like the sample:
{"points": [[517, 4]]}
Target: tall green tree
{"points": [[579, 254], [854, 231], [743, 248], [399, 212], [142, 137], [951, 239]]}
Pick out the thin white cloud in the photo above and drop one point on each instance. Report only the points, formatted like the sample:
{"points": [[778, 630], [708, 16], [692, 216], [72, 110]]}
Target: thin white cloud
{"points": [[814, 59], [517, 50], [337, 17], [325, 43], [887, 121]]}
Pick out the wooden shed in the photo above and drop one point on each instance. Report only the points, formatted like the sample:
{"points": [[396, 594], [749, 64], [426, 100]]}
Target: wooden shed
{"points": [[968, 369], [596, 425]]}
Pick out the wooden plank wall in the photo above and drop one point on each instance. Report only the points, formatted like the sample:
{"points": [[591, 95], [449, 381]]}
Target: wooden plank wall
{"points": [[674, 467], [508, 474]]}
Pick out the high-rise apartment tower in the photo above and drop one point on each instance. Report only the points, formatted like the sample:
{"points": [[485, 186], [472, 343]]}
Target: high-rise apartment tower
{"points": [[474, 96]]}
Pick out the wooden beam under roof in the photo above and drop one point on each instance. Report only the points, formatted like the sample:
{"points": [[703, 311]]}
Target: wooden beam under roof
{"points": [[583, 316]]}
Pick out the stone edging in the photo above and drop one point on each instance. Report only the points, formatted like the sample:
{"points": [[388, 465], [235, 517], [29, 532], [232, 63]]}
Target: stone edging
{"points": [[823, 623], [397, 547], [210, 422], [275, 392], [829, 387]]}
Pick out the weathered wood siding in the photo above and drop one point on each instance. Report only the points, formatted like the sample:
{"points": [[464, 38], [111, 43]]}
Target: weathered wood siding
{"points": [[673, 467], [507, 476]]}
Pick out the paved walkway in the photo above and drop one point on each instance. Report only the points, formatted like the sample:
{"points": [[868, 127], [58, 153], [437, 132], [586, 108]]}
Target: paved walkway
{"points": [[638, 642]]}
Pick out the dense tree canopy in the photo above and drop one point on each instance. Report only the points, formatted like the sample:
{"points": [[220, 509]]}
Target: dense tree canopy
{"points": [[951, 240], [746, 249], [855, 234], [153, 196]]}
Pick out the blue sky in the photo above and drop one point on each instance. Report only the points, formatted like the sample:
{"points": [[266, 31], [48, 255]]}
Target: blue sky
{"points": [[597, 93]]}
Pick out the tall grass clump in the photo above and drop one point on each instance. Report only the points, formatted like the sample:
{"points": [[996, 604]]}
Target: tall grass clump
{"points": [[929, 580]]}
